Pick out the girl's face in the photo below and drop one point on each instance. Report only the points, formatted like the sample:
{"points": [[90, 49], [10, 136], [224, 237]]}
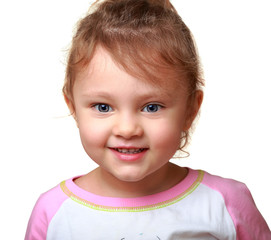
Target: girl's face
{"points": [[129, 127]]}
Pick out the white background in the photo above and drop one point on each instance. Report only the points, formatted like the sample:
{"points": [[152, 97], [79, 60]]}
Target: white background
{"points": [[39, 142]]}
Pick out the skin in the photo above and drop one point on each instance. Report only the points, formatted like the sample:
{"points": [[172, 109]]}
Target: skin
{"points": [[116, 113]]}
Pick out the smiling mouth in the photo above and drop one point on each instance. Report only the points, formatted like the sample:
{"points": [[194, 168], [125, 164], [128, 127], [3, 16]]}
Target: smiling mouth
{"points": [[129, 150]]}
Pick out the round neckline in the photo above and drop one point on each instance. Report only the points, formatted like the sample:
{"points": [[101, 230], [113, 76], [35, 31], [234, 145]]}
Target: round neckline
{"points": [[157, 200]]}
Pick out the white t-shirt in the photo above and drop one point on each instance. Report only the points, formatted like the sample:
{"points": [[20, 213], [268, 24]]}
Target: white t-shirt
{"points": [[201, 207]]}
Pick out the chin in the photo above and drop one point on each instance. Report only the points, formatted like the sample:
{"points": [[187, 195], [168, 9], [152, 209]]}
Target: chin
{"points": [[131, 178]]}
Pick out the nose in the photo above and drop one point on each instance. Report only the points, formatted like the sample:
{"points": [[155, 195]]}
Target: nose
{"points": [[127, 126]]}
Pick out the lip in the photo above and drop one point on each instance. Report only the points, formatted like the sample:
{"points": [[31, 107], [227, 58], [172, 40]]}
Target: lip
{"points": [[128, 157]]}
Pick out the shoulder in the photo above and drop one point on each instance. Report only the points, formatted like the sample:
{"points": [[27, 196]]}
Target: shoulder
{"points": [[50, 201], [248, 221], [45, 208], [230, 189]]}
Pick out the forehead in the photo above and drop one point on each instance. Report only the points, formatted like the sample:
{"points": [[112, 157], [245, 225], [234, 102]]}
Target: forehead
{"points": [[103, 67]]}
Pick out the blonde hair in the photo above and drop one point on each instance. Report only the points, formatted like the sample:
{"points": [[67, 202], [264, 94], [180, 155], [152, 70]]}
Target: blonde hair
{"points": [[147, 38]]}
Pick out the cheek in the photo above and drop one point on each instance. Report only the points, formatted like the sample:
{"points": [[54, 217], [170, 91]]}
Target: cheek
{"points": [[92, 133], [166, 135]]}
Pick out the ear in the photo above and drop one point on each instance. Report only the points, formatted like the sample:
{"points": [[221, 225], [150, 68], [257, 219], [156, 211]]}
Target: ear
{"points": [[193, 109], [71, 107]]}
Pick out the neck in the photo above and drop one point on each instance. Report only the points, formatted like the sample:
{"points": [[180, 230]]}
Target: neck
{"points": [[102, 183]]}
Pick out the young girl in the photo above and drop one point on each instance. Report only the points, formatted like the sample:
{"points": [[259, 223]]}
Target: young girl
{"points": [[133, 85]]}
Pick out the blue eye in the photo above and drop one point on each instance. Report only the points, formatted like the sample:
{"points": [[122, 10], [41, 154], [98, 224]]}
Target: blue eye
{"points": [[152, 108], [104, 108]]}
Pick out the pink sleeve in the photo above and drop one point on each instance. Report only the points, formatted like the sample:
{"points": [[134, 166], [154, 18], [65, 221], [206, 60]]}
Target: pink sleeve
{"points": [[44, 210], [248, 221]]}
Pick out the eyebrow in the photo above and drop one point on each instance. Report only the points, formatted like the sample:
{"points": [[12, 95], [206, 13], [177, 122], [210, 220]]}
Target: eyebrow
{"points": [[97, 94], [144, 96]]}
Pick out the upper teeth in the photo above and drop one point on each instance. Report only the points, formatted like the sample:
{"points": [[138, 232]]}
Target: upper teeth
{"points": [[130, 150]]}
